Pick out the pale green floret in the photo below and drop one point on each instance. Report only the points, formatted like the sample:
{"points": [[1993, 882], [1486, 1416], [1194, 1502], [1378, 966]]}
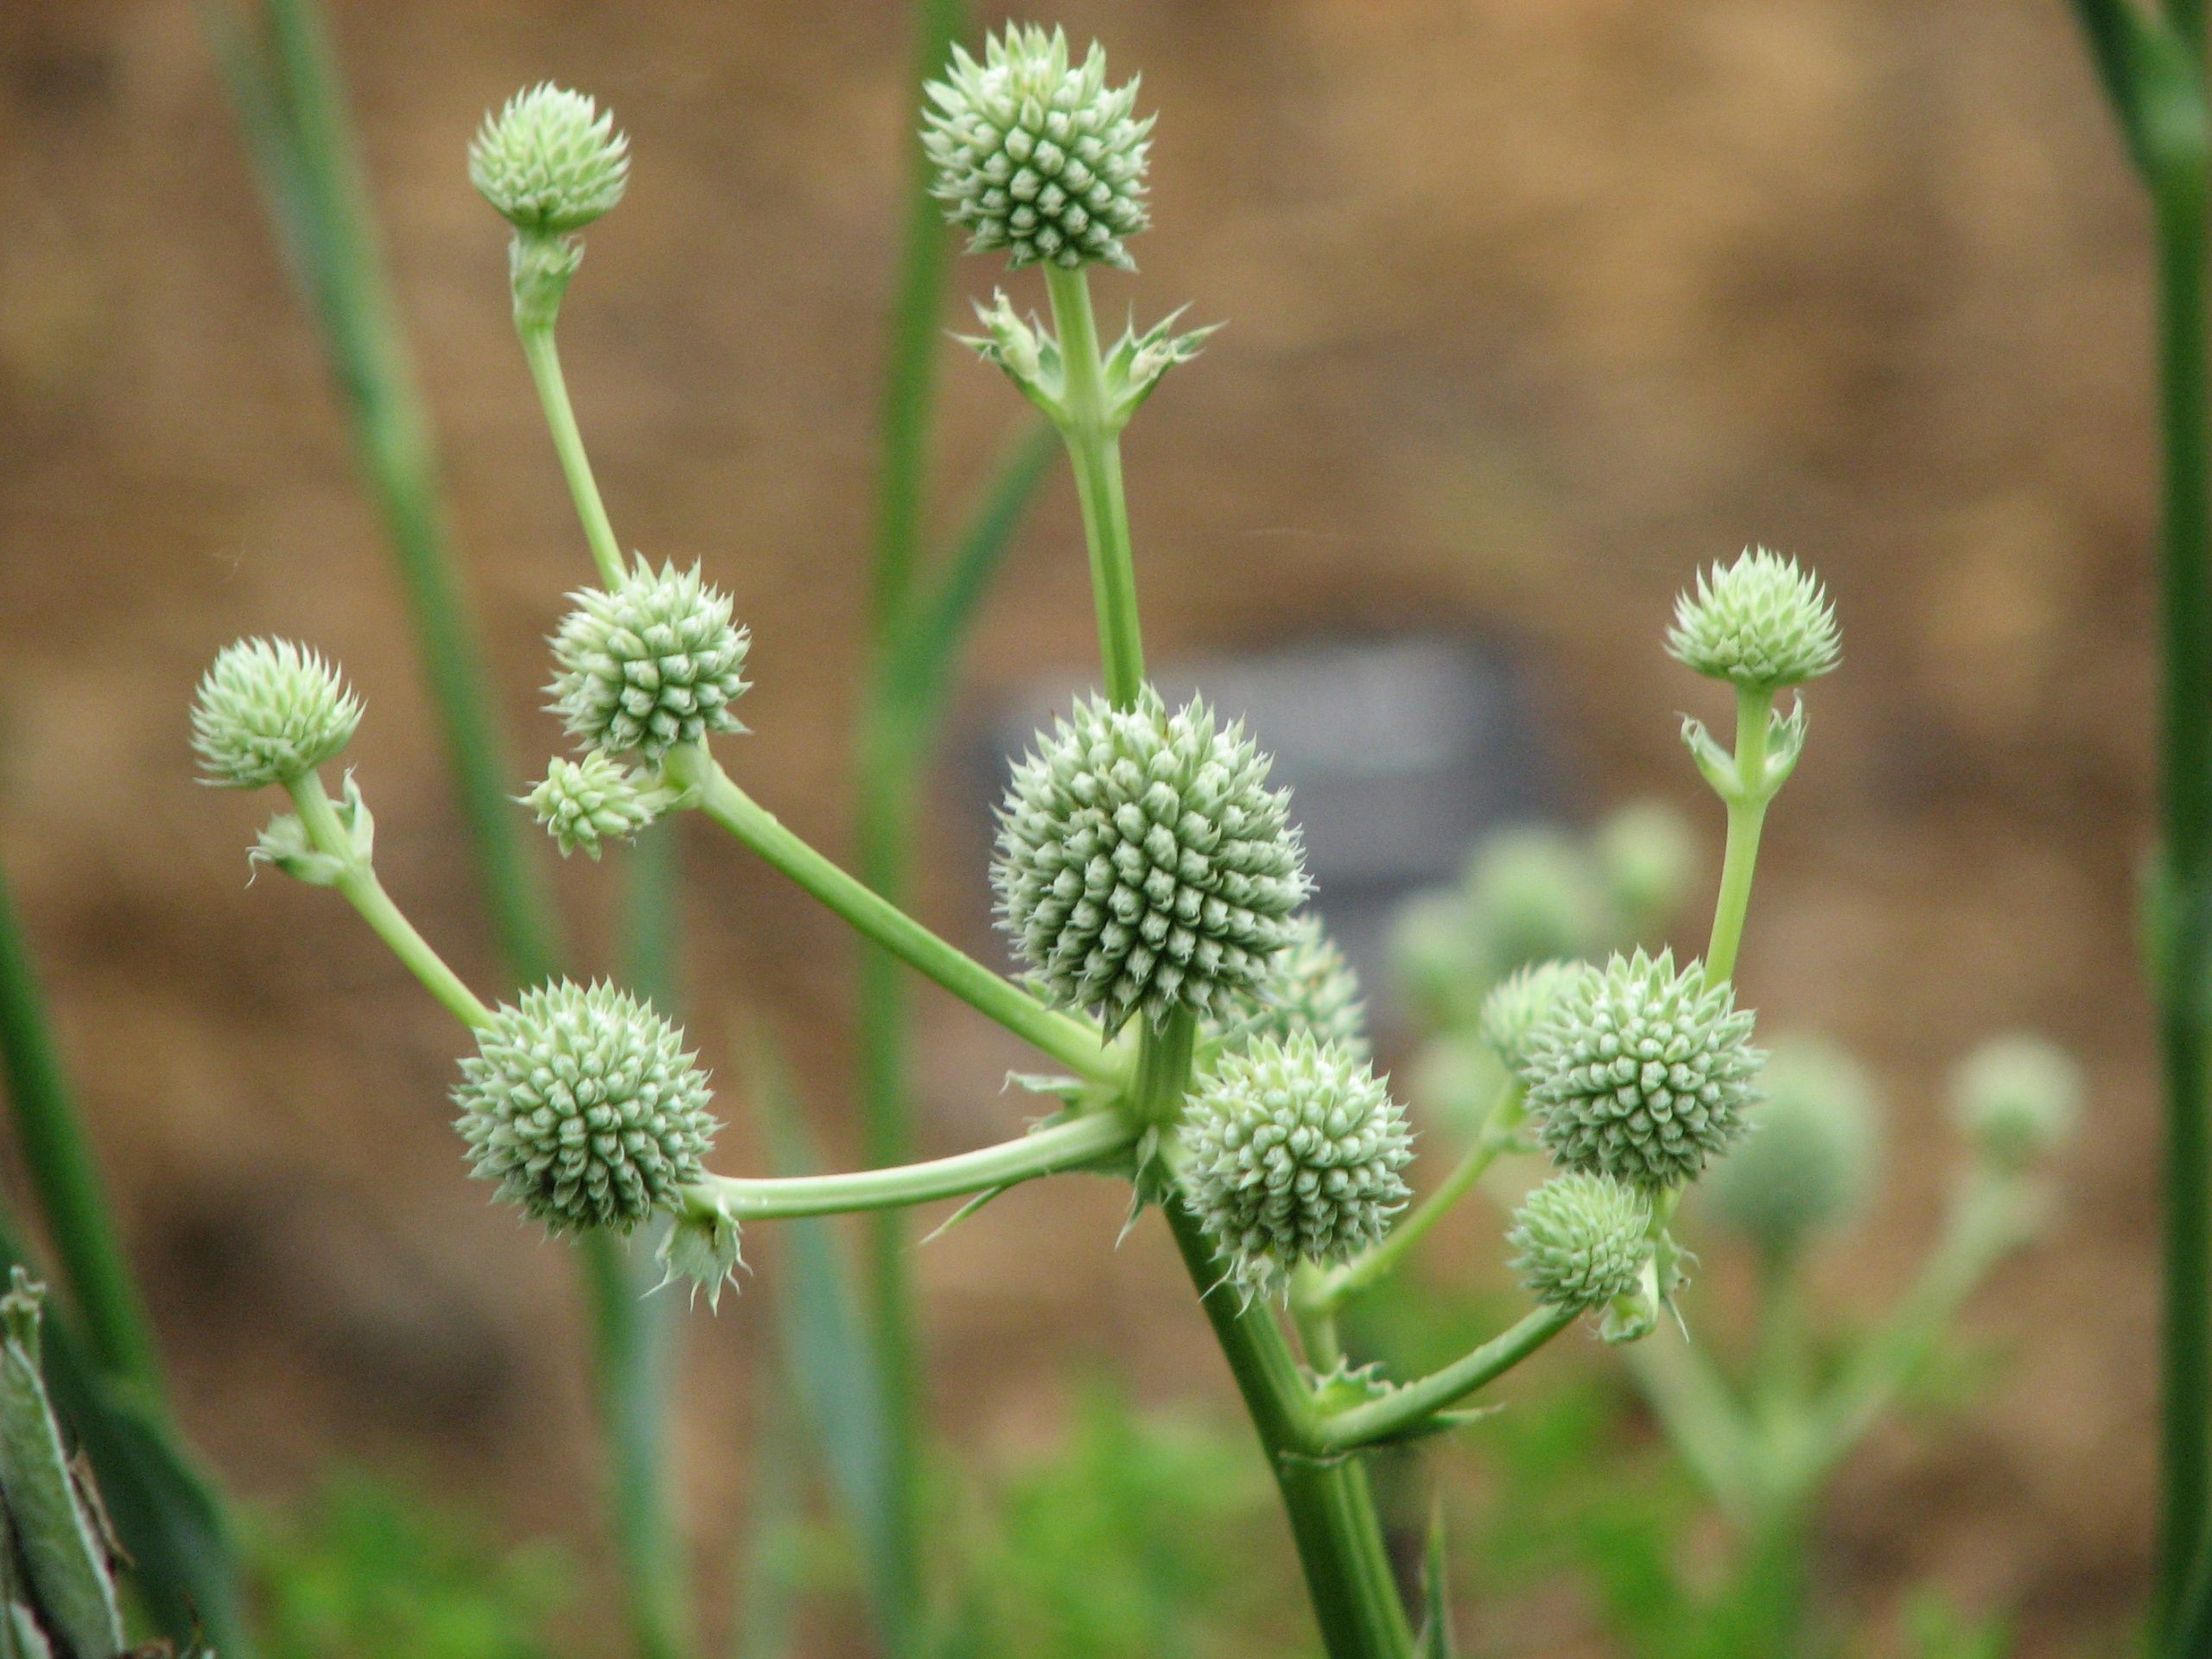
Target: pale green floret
{"points": [[1580, 1241], [1761, 623], [584, 1107], [1293, 1150], [2019, 1098], [585, 803], [655, 664], [1310, 986], [703, 1247], [1809, 1164], [550, 161], [1035, 156], [1144, 865], [1518, 1005], [269, 712], [1641, 1073]]}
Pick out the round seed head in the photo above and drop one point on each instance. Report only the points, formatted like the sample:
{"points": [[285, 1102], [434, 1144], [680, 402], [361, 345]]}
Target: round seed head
{"points": [[657, 662], [1144, 864], [584, 1107], [1761, 623], [1580, 1241], [2019, 1098], [583, 803], [1518, 1004], [1639, 1072], [269, 712], [1036, 155], [1808, 1163], [550, 161], [1294, 1149], [1310, 986]]}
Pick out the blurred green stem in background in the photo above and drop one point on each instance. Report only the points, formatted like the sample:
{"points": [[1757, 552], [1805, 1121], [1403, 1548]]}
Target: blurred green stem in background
{"points": [[2152, 66], [281, 79]]}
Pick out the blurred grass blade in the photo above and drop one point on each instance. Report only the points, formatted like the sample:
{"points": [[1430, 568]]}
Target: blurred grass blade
{"points": [[1436, 1592], [834, 1371], [773, 1566]]}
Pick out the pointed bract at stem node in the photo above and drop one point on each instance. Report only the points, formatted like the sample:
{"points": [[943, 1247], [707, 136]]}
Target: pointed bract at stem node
{"points": [[287, 844], [702, 1248], [1026, 350]]}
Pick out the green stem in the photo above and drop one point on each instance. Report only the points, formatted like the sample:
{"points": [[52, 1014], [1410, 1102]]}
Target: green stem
{"points": [[1076, 1043], [544, 353], [361, 889], [1046, 1152], [1095, 448], [1746, 815], [1703, 1421], [1409, 1407]]}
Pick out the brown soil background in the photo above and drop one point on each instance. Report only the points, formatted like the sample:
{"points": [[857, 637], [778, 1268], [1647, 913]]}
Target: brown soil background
{"points": [[1535, 304]]}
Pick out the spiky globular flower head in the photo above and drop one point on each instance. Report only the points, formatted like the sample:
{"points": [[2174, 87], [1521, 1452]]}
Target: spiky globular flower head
{"points": [[1761, 623], [1580, 1241], [657, 662], [269, 712], [550, 161], [1518, 1005], [1294, 1152], [583, 803], [1035, 154], [1144, 864], [1808, 1164], [2019, 1098], [1641, 1072], [585, 1108], [1310, 986]]}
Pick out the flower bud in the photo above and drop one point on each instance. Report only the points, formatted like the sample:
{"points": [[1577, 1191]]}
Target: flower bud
{"points": [[1580, 1241], [1143, 863], [1294, 1150], [1761, 623], [1641, 1072], [583, 803], [702, 1247], [1310, 986], [2019, 1098], [1518, 1005], [550, 161], [1649, 856], [657, 662], [269, 712], [585, 1108], [1037, 157], [1808, 1164]]}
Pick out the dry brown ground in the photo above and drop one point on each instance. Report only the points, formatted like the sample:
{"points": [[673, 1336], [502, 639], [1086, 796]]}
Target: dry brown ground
{"points": [[1535, 301]]}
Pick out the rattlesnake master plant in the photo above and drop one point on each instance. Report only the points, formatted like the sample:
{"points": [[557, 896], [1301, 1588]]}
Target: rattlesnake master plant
{"points": [[1641, 1072], [550, 161], [584, 1106], [1517, 1008], [1760, 623], [585, 803], [1309, 987], [1036, 155], [1580, 1241], [2019, 1098], [268, 712], [1295, 1152], [1807, 1163], [1143, 863], [655, 663]]}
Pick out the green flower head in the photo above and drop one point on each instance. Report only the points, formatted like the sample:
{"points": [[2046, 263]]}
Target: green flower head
{"points": [[1036, 155], [1310, 986], [1293, 1151], [2019, 1098], [1761, 623], [657, 662], [1808, 1163], [1518, 1005], [584, 1107], [1144, 865], [550, 161], [269, 712], [585, 803], [1580, 1241], [1639, 1072]]}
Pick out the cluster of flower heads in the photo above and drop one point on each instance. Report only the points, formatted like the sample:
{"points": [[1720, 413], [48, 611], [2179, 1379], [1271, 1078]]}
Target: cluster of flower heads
{"points": [[1144, 866], [1036, 155]]}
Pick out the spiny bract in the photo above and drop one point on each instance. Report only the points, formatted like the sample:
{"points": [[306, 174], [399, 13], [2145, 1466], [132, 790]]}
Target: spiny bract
{"points": [[1310, 986], [1294, 1149], [657, 662], [1761, 623], [550, 161], [1143, 863], [1580, 1240], [583, 803], [1036, 157], [585, 1108], [1641, 1073], [1518, 1004], [1808, 1164], [269, 712]]}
